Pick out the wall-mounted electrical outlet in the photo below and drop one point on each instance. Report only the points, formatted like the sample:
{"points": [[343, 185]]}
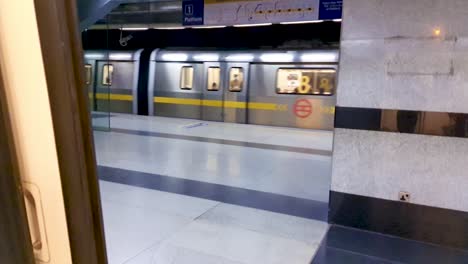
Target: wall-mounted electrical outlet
{"points": [[404, 197]]}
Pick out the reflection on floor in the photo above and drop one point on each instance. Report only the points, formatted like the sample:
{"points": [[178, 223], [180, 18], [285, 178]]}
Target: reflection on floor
{"points": [[185, 191]]}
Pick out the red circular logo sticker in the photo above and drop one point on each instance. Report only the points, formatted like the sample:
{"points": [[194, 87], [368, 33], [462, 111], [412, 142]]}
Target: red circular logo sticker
{"points": [[302, 108]]}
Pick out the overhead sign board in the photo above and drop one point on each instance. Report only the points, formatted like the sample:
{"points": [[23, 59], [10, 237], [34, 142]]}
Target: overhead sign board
{"points": [[193, 12], [256, 12], [238, 12], [330, 9]]}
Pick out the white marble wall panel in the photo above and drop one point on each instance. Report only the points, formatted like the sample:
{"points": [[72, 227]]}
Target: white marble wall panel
{"points": [[390, 58], [379, 19], [380, 164]]}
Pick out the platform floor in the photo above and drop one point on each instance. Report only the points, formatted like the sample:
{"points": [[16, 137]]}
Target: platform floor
{"points": [[186, 191]]}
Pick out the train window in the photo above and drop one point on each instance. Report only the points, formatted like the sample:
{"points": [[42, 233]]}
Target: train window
{"points": [[186, 78], [306, 81], [107, 73], [236, 79], [214, 79], [88, 73]]}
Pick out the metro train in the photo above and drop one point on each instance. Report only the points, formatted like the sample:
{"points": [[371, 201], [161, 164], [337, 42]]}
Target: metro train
{"points": [[293, 88]]}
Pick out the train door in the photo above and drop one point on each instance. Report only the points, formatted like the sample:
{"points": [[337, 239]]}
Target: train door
{"points": [[178, 90], [114, 86], [235, 95], [213, 90]]}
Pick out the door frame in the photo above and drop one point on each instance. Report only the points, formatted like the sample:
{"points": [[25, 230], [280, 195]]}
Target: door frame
{"points": [[63, 62], [15, 244]]}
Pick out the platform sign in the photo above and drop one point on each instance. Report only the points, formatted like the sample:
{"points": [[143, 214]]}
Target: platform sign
{"points": [[238, 12], [228, 12], [330, 9], [193, 12]]}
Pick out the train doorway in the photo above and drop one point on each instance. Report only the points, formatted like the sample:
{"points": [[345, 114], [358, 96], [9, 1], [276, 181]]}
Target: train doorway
{"points": [[232, 162], [225, 95]]}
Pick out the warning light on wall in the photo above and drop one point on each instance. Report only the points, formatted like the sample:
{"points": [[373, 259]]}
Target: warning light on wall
{"points": [[437, 32]]}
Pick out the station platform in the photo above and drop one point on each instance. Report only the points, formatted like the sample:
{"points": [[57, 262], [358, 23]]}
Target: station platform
{"points": [[187, 191]]}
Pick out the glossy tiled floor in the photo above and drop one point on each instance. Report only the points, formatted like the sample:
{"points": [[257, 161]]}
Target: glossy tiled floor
{"points": [[166, 221], [147, 226], [289, 173]]}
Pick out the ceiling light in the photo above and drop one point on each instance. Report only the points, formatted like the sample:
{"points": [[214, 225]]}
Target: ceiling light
{"points": [[206, 57], [254, 25], [319, 57], [301, 22], [277, 57], [175, 57], [94, 56], [240, 57], [207, 27], [134, 28], [120, 56], [169, 28]]}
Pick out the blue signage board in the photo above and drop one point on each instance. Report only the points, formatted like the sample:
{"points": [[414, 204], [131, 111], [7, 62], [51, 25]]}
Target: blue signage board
{"points": [[330, 9], [193, 12]]}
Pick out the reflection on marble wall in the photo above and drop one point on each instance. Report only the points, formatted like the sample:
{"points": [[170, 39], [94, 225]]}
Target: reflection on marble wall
{"points": [[381, 164], [392, 58]]}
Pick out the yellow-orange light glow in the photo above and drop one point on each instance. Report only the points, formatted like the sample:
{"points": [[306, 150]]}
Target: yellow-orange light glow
{"points": [[437, 32]]}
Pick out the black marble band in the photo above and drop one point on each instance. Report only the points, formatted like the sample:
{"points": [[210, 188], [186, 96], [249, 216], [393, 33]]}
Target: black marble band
{"points": [[403, 121], [272, 202], [424, 223]]}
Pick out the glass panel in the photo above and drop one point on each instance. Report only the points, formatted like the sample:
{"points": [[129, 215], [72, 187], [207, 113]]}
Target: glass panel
{"points": [[98, 77], [107, 72], [186, 78], [306, 81], [214, 79], [236, 79]]}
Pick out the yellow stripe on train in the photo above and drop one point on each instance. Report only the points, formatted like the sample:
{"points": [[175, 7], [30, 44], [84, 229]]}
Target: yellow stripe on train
{"points": [[218, 103], [115, 97], [199, 102]]}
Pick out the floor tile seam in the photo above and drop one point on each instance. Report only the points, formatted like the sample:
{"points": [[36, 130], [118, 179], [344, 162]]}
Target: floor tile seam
{"points": [[422, 243], [209, 254], [229, 142], [151, 210], [222, 226], [366, 255], [164, 239], [155, 210], [234, 226], [270, 212], [141, 252], [207, 211]]}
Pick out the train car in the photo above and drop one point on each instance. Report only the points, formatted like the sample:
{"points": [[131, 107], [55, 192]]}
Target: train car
{"points": [[112, 80], [277, 88]]}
